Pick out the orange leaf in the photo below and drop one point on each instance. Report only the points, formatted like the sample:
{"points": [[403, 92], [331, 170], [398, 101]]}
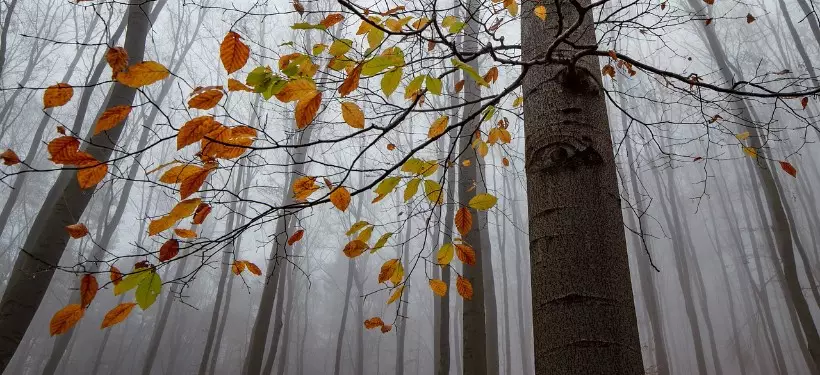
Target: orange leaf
{"points": [[439, 287], [78, 230], [464, 287], [91, 174], [340, 198], [117, 58], [459, 86], [295, 237], [111, 117], [206, 99], [391, 147], [306, 110], [57, 95], [464, 220], [88, 289], [252, 268], [233, 53], [351, 82], [64, 319], [492, 75], [238, 266], [9, 157], [185, 233], [64, 150], [373, 322], [355, 248], [116, 275], [117, 314], [201, 213], [465, 254], [234, 85], [195, 129], [388, 269], [788, 168], [192, 184], [297, 90], [331, 20], [143, 74], [386, 328], [303, 187], [169, 250]]}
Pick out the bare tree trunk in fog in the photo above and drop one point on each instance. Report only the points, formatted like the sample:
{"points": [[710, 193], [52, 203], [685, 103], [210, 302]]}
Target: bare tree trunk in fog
{"points": [[286, 318], [501, 232], [281, 292], [458, 325], [401, 330], [584, 322], [63, 206], [4, 33], [337, 364], [300, 356], [520, 283], [359, 279]]}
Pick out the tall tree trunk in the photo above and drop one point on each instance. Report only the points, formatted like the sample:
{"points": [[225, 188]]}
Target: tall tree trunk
{"points": [[4, 33], [583, 310], [281, 293], [520, 283], [337, 364], [401, 330], [63, 206]]}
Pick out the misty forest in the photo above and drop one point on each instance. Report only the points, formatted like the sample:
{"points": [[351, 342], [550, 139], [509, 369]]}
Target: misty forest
{"points": [[361, 187]]}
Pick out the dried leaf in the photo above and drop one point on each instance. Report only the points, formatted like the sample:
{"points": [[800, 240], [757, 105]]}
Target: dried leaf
{"points": [[373, 323], [195, 129], [351, 82], [206, 99], [296, 236], [303, 187], [111, 117], [88, 289], [143, 74], [115, 275], [117, 58], [396, 295], [169, 250], [388, 269], [340, 198], [464, 220], [355, 248], [540, 12], [445, 254], [238, 266], [185, 233], [9, 157], [233, 53], [234, 85], [788, 168], [386, 328], [252, 268], [465, 254], [57, 95], [353, 115], [91, 174], [78, 230], [438, 127], [439, 287], [306, 110], [66, 318], [201, 213], [117, 314], [464, 287]]}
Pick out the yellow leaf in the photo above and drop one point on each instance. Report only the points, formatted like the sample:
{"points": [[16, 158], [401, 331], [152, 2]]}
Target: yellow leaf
{"points": [[518, 101], [297, 90], [464, 220], [411, 189], [303, 187], [387, 185], [541, 12], [233, 53], [364, 236], [742, 136], [117, 314], [356, 227], [381, 242], [396, 295], [512, 7], [354, 248], [438, 127], [750, 151], [57, 95], [398, 275], [464, 287], [234, 85], [438, 287], [206, 99], [160, 225], [445, 254], [66, 318], [185, 208], [433, 191], [353, 115], [78, 230], [111, 117], [388, 269], [143, 74], [340, 198], [185, 233], [483, 201]]}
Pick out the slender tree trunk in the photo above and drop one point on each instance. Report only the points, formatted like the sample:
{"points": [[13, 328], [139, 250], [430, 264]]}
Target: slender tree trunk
{"points": [[63, 206], [277, 314], [288, 318], [583, 310], [337, 364], [4, 33], [162, 320]]}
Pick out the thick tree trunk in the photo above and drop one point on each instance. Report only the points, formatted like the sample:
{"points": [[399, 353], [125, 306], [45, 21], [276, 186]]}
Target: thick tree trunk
{"points": [[281, 293], [63, 206], [583, 309]]}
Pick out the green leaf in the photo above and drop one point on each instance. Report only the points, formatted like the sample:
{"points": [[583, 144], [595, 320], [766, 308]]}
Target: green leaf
{"points": [[381, 242], [130, 282], [488, 113], [391, 80], [483, 201], [286, 44], [307, 26], [374, 37], [148, 290], [319, 48], [518, 101], [433, 85], [340, 47], [413, 87], [376, 65], [411, 189], [356, 227], [387, 185], [470, 72]]}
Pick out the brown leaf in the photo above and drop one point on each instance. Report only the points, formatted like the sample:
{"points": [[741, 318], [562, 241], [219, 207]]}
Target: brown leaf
{"points": [[306, 110], [117, 58], [192, 184], [64, 150], [386, 328], [464, 220], [750, 18], [804, 102], [608, 70], [88, 289], [303, 187], [464, 288], [238, 266], [234, 85], [143, 74], [788, 168], [252, 268], [9, 157], [355, 248], [57, 95], [331, 20], [78, 230], [351, 82], [373, 322], [206, 99], [710, 2], [117, 314], [340, 198], [492, 75], [465, 254], [707, 22], [459, 86], [233, 53], [201, 213], [64, 319], [111, 117], [169, 250], [115, 275], [296, 236], [298, 7]]}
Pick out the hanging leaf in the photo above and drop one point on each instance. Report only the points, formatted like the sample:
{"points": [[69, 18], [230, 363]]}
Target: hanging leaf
{"points": [[117, 58], [340, 198], [464, 220], [306, 110], [381, 242], [439, 287], [303, 187], [194, 130], [541, 12], [512, 7], [390, 81], [438, 127], [433, 85], [518, 101], [143, 74], [185, 233], [64, 319], [433, 191], [91, 173], [742, 136], [78, 230], [411, 189], [387, 185], [201, 213], [148, 290], [184, 208], [398, 275], [750, 152], [355, 248], [396, 295], [9, 157], [351, 82], [206, 99], [57, 95], [750, 18], [464, 287], [238, 266], [296, 236], [234, 85], [386, 328], [88, 289], [356, 227], [788, 168], [117, 314], [365, 235], [233, 53], [492, 75], [353, 115], [115, 275], [168, 250], [804, 102], [445, 254], [111, 117], [465, 254], [253, 268], [483, 201], [470, 72], [130, 281], [373, 323], [331, 20], [388, 269]]}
